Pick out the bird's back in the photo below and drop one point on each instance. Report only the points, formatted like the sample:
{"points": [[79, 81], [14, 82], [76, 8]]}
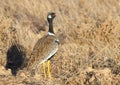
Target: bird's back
{"points": [[44, 49]]}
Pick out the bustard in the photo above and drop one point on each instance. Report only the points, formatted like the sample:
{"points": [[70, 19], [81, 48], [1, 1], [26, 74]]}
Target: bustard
{"points": [[45, 48]]}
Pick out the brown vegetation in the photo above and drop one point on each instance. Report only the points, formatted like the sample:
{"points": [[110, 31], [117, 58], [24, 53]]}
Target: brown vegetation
{"points": [[89, 32]]}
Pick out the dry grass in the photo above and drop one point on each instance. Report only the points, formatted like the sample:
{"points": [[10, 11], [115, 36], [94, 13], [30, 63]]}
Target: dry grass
{"points": [[89, 31]]}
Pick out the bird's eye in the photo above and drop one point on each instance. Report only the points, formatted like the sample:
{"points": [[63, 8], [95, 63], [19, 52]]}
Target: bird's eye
{"points": [[49, 16]]}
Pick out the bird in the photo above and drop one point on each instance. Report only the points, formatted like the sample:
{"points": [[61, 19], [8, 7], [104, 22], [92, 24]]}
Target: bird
{"points": [[45, 48]]}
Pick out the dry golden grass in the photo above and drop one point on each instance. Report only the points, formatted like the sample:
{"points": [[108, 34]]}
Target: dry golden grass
{"points": [[89, 31]]}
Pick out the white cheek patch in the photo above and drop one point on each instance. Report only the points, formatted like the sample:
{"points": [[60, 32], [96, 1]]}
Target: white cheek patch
{"points": [[49, 16]]}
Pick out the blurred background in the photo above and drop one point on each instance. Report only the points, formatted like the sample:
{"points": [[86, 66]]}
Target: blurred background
{"points": [[89, 32]]}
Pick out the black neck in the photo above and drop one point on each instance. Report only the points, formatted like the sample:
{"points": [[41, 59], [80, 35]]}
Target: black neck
{"points": [[51, 26]]}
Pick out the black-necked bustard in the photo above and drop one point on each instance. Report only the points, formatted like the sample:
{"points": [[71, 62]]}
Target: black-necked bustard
{"points": [[45, 48]]}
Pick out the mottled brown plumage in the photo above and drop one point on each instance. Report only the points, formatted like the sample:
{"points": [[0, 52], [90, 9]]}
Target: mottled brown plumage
{"points": [[44, 49]]}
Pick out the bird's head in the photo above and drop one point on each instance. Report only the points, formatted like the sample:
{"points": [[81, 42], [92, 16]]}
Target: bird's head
{"points": [[51, 16]]}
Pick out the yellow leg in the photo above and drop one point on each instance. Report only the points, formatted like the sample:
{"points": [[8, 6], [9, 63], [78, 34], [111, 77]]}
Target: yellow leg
{"points": [[44, 70], [49, 73]]}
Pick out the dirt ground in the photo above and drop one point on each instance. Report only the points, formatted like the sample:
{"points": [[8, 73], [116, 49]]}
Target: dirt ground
{"points": [[89, 33]]}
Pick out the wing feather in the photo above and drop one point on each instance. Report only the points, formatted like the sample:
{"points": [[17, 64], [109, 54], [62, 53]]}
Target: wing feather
{"points": [[44, 49]]}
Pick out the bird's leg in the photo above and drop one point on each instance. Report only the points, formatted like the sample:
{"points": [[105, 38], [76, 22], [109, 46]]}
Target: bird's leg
{"points": [[49, 73], [44, 70]]}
